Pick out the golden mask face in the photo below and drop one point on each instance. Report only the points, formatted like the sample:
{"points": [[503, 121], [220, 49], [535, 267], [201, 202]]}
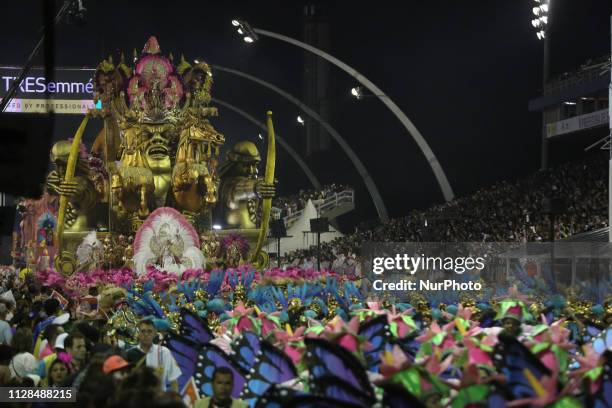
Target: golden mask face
{"points": [[157, 142]]}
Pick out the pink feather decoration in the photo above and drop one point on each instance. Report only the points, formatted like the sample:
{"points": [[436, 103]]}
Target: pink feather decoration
{"points": [[153, 217]]}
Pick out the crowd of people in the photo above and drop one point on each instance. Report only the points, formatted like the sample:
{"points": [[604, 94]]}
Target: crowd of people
{"points": [[505, 212], [291, 204], [50, 345], [43, 343], [46, 340]]}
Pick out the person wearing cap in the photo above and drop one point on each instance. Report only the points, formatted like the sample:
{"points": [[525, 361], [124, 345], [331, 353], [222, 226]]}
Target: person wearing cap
{"points": [[157, 356], [117, 367], [6, 334], [512, 313], [23, 365]]}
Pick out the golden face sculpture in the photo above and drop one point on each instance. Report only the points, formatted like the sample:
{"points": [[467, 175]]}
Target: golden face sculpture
{"points": [[156, 146]]}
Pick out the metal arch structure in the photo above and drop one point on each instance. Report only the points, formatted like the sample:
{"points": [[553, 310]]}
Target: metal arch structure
{"points": [[381, 209], [298, 159], [445, 186]]}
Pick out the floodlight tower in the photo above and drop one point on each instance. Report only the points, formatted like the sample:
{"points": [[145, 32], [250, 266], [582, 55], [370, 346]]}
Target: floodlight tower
{"points": [[541, 22]]}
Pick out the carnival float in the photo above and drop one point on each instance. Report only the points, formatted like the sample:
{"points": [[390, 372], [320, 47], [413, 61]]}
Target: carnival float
{"points": [[133, 216]]}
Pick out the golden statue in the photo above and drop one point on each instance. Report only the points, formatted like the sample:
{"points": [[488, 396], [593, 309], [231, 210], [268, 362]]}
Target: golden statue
{"points": [[241, 188], [81, 192], [80, 196], [159, 150], [168, 149]]}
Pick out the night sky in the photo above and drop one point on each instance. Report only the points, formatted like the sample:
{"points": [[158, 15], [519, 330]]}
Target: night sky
{"points": [[462, 71]]}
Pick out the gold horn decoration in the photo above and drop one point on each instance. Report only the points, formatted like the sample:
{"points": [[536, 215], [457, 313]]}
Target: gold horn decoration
{"points": [[260, 258], [64, 261]]}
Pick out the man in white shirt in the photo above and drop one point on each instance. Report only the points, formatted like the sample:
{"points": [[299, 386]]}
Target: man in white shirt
{"points": [[158, 357]]}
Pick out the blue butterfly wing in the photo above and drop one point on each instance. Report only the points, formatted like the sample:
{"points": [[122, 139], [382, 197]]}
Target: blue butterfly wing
{"points": [[376, 332], [511, 359], [246, 349], [593, 330], [185, 353], [328, 359], [270, 366], [275, 365], [603, 397], [277, 397], [194, 328], [338, 389], [397, 396], [603, 342], [211, 357]]}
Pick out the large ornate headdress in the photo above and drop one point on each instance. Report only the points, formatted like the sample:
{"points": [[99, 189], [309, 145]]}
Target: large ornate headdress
{"points": [[154, 91]]}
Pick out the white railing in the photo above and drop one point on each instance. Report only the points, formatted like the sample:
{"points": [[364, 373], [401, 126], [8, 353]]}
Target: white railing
{"points": [[586, 73], [322, 206]]}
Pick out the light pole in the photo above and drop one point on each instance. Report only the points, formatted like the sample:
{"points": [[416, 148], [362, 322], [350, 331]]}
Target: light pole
{"points": [[251, 34], [541, 22], [365, 175]]}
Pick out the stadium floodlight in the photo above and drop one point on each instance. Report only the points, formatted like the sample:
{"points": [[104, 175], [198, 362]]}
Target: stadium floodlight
{"points": [[359, 93], [541, 11], [244, 29], [300, 120]]}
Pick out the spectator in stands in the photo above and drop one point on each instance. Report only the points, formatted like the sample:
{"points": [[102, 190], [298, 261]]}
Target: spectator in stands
{"points": [[503, 212]]}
